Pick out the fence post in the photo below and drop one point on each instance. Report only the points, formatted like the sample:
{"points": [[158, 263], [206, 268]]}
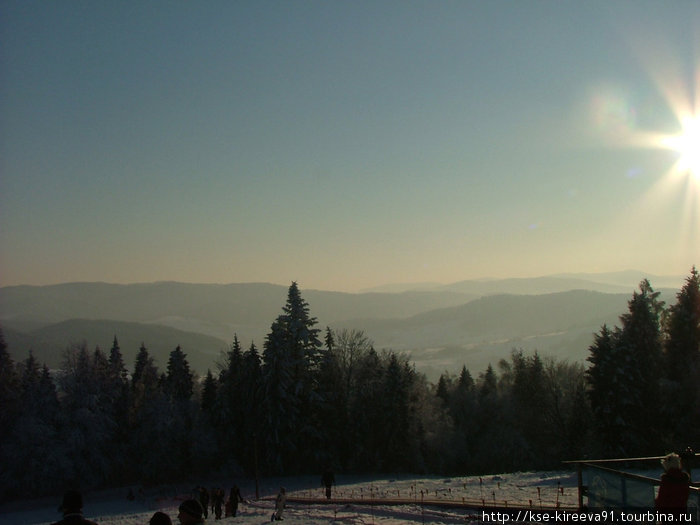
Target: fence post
{"points": [[579, 475]]}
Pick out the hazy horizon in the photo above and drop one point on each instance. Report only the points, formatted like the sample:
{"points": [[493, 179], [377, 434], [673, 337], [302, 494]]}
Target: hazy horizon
{"points": [[347, 145]]}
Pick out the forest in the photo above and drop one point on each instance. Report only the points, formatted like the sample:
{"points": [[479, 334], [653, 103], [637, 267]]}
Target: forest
{"points": [[312, 399]]}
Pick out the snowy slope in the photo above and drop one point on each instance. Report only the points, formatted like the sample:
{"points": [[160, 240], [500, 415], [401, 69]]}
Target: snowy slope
{"points": [[531, 489]]}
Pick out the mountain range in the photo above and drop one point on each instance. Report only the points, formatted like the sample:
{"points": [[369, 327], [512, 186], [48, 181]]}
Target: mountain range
{"points": [[441, 327]]}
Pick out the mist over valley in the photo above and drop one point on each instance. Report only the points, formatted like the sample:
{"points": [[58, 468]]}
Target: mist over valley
{"points": [[441, 327]]}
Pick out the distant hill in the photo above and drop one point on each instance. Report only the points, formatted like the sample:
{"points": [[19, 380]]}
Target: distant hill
{"points": [[487, 329], [471, 322], [49, 343], [218, 310], [611, 282]]}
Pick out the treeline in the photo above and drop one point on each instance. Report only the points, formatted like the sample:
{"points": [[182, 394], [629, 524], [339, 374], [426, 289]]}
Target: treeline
{"points": [[313, 400]]}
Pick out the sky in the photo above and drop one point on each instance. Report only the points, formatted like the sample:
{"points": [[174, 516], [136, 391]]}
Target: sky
{"points": [[347, 144]]}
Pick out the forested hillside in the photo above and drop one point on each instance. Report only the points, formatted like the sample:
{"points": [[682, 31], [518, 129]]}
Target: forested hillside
{"points": [[311, 399]]}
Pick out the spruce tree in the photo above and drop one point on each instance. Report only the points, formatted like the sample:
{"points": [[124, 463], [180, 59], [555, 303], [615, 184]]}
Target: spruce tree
{"points": [[118, 393], [209, 388], [332, 409], [395, 431], [606, 392], [682, 365], [36, 456], [229, 409], [90, 428], [367, 415], [290, 371], [9, 397], [252, 444], [178, 385], [179, 380], [641, 362]]}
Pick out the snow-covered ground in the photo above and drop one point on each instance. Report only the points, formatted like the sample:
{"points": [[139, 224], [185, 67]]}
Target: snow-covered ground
{"points": [[532, 489]]}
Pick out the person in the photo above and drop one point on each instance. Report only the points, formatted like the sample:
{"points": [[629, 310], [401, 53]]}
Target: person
{"points": [[672, 497], [72, 509], [160, 518], [233, 499], [204, 500], [328, 479], [190, 512], [279, 505], [217, 501]]}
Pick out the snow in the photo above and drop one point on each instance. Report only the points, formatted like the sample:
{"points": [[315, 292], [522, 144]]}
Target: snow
{"points": [[532, 489]]}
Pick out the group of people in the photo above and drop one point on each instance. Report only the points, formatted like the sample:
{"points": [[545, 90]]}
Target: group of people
{"points": [[217, 498], [192, 511]]}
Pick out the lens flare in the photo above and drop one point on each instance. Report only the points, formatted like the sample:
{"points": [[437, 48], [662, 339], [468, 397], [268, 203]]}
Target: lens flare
{"points": [[687, 144]]}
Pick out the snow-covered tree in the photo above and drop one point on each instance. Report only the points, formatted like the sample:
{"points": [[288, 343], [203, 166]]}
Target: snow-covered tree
{"points": [[90, 424]]}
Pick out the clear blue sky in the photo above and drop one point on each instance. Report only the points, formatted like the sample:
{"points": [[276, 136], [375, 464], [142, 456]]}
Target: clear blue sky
{"points": [[344, 144]]}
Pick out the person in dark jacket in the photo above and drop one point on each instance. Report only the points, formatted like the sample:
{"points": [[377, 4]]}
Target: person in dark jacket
{"points": [[204, 501], [233, 499], [190, 512], [328, 480], [72, 509], [160, 518], [674, 489]]}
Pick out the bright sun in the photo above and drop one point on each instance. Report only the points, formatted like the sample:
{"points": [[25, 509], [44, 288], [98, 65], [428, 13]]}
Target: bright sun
{"points": [[687, 144]]}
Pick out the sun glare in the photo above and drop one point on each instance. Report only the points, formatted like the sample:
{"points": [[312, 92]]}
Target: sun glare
{"points": [[687, 144]]}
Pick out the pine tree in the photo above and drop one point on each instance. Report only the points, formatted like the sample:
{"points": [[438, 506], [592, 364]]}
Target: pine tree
{"points": [[606, 392], [151, 418], [332, 410], [91, 425], [528, 397], [443, 390], [208, 393], [252, 444], [462, 410], [229, 409], [641, 360], [144, 380], [178, 386], [366, 411], [682, 364], [179, 381], [9, 408], [290, 366], [117, 370], [395, 432], [9, 397], [35, 451], [118, 392]]}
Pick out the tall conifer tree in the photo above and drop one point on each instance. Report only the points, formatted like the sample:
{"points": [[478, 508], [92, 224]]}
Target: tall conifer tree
{"points": [[682, 360], [290, 366]]}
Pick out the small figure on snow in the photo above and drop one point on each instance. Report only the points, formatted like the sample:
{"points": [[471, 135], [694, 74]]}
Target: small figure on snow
{"points": [[233, 499], [72, 509], [674, 489], [328, 480], [217, 502], [279, 505], [204, 501]]}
